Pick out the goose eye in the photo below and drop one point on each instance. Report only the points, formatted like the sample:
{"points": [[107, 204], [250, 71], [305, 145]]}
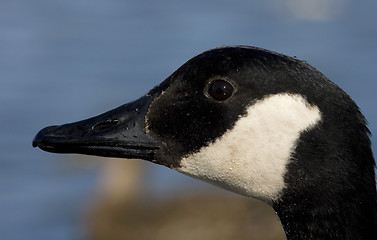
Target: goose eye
{"points": [[220, 90]]}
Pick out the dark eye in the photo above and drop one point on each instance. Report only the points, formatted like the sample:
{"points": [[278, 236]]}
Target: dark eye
{"points": [[220, 90]]}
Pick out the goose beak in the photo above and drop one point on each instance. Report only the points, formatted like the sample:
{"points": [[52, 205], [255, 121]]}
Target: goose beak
{"points": [[118, 133]]}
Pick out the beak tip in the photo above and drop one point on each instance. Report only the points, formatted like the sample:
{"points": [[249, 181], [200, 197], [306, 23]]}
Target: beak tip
{"points": [[35, 142], [38, 139]]}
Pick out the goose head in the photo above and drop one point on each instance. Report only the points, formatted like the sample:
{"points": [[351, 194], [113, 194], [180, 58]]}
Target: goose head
{"points": [[254, 122]]}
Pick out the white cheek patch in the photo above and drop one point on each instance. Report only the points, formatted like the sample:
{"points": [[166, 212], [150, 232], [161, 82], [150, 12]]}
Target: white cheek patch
{"points": [[251, 158]]}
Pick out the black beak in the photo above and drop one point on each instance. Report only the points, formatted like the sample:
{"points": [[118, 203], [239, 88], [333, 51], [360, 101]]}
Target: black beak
{"points": [[119, 133]]}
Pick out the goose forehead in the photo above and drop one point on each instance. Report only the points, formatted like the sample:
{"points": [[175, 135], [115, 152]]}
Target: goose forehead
{"points": [[252, 157]]}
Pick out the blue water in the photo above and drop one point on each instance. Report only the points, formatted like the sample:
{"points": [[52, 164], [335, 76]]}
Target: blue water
{"points": [[62, 61]]}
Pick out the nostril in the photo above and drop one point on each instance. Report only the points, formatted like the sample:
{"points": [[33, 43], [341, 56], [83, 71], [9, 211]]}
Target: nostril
{"points": [[105, 124]]}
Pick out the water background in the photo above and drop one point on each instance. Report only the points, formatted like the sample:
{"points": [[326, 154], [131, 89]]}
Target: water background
{"points": [[63, 61]]}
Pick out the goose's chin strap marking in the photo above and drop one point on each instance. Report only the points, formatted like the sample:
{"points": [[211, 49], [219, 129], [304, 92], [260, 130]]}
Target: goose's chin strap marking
{"points": [[252, 157]]}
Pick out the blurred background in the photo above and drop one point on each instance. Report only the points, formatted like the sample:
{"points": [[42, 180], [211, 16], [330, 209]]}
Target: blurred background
{"points": [[63, 61]]}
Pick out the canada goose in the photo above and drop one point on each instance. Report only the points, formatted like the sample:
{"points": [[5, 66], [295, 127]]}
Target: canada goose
{"points": [[255, 122]]}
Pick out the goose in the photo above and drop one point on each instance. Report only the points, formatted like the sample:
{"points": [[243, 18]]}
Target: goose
{"points": [[255, 122]]}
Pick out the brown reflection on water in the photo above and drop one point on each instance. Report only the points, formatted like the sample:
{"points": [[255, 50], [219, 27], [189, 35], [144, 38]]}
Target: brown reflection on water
{"points": [[123, 212]]}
